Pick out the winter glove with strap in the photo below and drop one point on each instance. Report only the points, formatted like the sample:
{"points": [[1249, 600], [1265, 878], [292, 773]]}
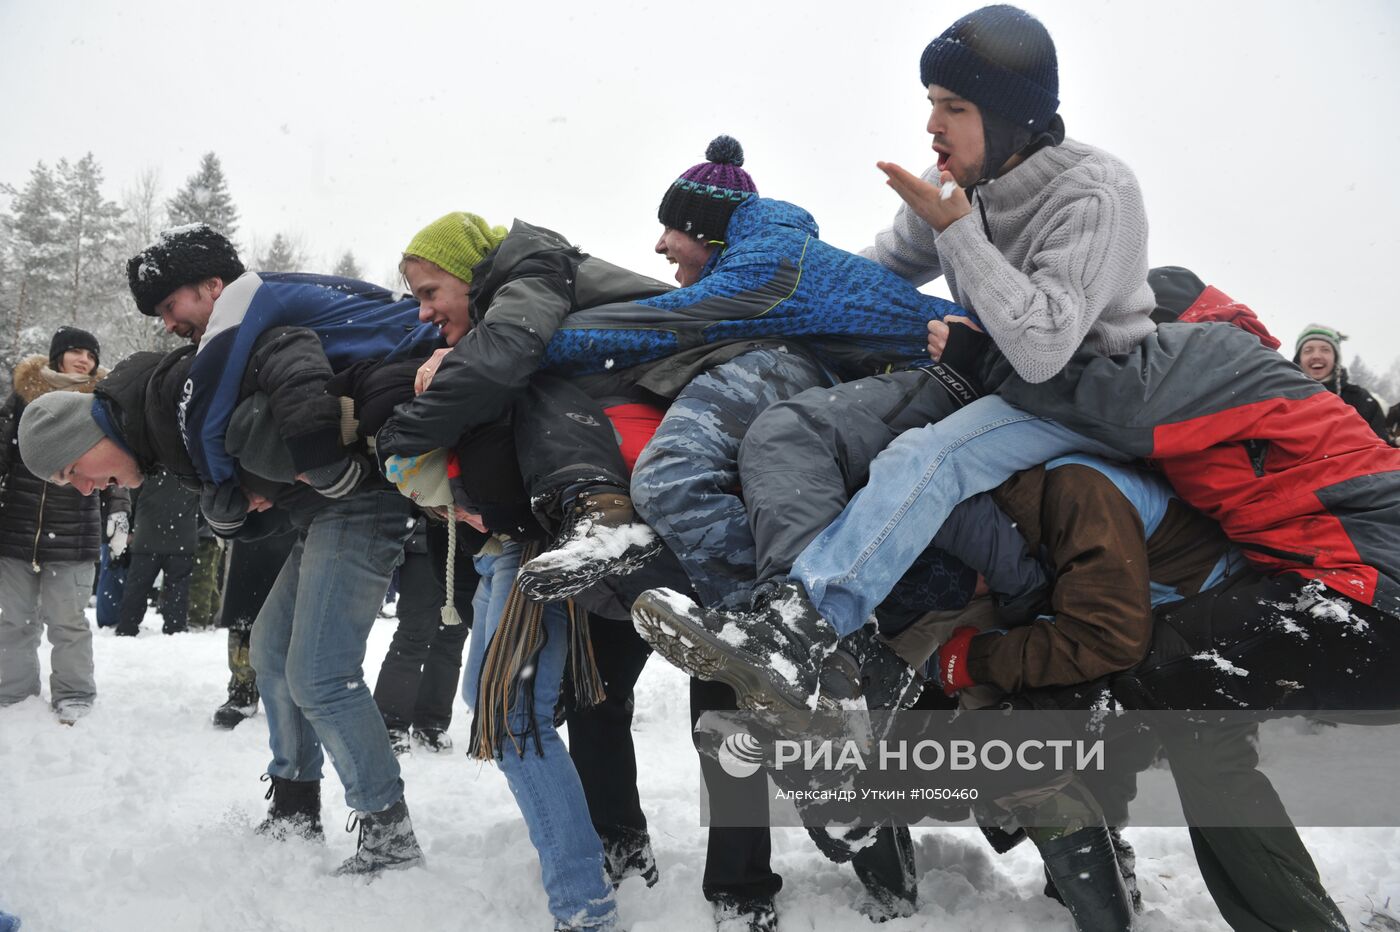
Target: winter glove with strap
{"points": [[118, 533]]}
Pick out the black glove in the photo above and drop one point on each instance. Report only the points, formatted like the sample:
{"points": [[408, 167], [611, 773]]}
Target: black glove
{"points": [[225, 508], [341, 478]]}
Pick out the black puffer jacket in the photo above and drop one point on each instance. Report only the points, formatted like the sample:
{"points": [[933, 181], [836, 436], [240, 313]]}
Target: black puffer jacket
{"points": [[41, 522]]}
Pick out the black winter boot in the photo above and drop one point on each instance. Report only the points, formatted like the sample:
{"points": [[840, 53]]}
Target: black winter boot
{"points": [[627, 853], [1084, 871], [433, 740], [399, 741], [886, 871], [864, 665], [734, 914], [295, 810], [1127, 869], [601, 537], [386, 842], [771, 657], [241, 704]]}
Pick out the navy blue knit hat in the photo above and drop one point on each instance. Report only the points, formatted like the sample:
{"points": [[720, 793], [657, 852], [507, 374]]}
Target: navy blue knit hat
{"points": [[1003, 60]]}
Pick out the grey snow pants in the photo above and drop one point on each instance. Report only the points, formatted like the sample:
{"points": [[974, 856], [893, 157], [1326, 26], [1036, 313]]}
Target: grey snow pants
{"points": [[54, 598]]}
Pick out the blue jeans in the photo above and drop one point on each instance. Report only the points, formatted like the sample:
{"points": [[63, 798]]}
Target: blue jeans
{"points": [[544, 783], [850, 567], [111, 583], [308, 648]]}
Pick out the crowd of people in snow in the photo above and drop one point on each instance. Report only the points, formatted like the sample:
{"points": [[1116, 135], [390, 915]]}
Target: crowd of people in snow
{"points": [[795, 476]]}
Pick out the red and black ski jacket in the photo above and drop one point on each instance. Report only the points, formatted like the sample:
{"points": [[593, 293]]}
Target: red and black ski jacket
{"points": [[1293, 474]]}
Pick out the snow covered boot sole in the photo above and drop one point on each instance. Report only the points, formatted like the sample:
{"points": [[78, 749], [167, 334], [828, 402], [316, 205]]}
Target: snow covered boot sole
{"points": [[593, 548], [674, 628]]}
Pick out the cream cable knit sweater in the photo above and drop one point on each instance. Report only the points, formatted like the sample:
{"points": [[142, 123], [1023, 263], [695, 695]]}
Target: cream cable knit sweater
{"points": [[1066, 262]]}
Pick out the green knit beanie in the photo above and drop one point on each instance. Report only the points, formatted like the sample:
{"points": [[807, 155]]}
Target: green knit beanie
{"points": [[455, 243], [1320, 332]]}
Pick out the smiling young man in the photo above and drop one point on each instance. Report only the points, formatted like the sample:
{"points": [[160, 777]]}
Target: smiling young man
{"points": [[1318, 352], [249, 415]]}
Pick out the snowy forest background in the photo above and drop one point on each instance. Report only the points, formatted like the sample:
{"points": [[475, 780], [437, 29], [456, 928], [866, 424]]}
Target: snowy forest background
{"points": [[66, 233], [65, 236]]}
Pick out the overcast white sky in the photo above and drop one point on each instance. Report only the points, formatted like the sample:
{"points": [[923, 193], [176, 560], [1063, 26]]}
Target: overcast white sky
{"points": [[1264, 134]]}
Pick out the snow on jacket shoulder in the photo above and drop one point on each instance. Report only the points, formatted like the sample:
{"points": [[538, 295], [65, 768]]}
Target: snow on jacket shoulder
{"points": [[774, 277], [520, 294]]}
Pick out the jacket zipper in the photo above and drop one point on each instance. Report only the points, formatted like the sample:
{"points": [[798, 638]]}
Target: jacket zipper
{"points": [[39, 527]]}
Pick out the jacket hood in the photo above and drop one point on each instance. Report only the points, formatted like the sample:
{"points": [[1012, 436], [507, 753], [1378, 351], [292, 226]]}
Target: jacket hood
{"points": [[30, 383], [523, 241], [758, 216]]}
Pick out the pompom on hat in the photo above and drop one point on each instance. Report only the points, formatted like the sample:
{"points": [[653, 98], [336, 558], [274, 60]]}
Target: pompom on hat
{"points": [[455, 243], [701, 201]]}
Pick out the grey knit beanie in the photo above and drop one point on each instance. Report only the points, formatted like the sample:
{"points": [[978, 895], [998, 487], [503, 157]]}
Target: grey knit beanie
{"points": [[56, 429]]}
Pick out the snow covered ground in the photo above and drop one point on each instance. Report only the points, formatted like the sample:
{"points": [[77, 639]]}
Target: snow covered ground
{"points": [[139, 819]]}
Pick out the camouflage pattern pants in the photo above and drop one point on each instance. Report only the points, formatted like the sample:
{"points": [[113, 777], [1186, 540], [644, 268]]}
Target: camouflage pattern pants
{"points": [[686, 482], [205, 583], [253, 568]]}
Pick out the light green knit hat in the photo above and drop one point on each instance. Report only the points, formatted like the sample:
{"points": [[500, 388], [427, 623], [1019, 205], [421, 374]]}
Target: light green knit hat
{"points": [[455, 243]]}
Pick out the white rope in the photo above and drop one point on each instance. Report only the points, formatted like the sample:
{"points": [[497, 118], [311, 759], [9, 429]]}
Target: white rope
{"points": [[449, 607]]}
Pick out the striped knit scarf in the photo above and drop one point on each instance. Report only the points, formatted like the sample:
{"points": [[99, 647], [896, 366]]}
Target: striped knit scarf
{"points": [[508, 673]]}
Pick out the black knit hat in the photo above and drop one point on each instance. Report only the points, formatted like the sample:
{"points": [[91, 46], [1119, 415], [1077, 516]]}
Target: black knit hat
{"points": [[181, 256], [1002, 59], [72, 338], [702, 199]]}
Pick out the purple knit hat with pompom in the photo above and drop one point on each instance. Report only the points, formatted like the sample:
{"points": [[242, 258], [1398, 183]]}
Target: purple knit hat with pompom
{"points": [[701, 200]]}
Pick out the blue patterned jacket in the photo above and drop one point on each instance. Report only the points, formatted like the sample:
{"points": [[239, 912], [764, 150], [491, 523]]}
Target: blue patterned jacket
{"points": [[773, 278]]}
